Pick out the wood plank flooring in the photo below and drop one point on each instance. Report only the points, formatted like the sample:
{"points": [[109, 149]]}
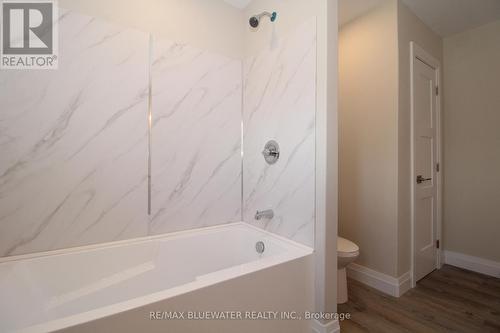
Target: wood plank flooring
{"points": [[448, 300]]}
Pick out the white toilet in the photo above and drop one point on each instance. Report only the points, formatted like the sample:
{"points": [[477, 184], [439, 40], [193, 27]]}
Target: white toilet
{"points": [[347, 252]]}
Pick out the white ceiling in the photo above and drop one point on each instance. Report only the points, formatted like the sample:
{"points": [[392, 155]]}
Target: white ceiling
{"points": [[241, 4], [448, 17], [445, 17]]}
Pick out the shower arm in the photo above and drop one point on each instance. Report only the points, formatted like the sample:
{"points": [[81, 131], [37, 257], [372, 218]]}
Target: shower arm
{"points": [[271, 16]]}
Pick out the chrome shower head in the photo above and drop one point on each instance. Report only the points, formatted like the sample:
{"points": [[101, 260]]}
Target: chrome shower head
{"points": [[255, 20]]}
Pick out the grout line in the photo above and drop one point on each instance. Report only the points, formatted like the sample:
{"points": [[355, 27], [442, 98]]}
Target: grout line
{"points": [[150, 101]]}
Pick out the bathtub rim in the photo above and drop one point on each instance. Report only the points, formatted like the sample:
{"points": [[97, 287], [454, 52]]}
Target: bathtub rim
{"points": [[145, 239]]}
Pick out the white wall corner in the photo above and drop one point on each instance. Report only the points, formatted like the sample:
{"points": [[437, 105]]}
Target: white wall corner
{"points": [[385, 283], [475, 264], [330, 327]]}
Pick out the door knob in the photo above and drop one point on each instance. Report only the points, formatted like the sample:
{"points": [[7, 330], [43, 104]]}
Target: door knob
{"points": [[421, 179]]}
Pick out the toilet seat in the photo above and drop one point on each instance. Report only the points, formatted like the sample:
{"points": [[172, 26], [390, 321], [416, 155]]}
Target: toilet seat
{"points": [[347, 253], [346, 248]]}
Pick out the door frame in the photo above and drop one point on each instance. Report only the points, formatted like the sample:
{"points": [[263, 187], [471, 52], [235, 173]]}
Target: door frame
{"points": [[417, 53]]}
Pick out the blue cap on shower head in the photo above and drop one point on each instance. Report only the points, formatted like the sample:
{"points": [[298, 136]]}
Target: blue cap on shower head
{"points": [[273, 16]]}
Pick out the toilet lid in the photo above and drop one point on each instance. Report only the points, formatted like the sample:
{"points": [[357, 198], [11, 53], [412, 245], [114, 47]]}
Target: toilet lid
{"points": [[346, 246]]}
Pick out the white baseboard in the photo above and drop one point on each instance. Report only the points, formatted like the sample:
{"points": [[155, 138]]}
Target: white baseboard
{"points": [[387, 284], [330, 327], [475, 264]]}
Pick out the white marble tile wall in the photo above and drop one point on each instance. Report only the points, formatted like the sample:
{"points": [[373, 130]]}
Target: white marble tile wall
{"points": [[73, 142], [196, 138], [279, 104]]}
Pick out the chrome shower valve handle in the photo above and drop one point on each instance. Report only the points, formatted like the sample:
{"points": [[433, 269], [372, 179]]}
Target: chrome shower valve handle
{"points": [[271, 152], [268, 152]]}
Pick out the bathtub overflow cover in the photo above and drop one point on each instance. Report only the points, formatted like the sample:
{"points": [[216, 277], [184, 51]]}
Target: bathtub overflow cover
{"points": [[260, 247]]}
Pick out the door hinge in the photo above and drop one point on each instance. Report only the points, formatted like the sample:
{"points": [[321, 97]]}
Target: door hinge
{"points": [[438, 167], [437, 243], [437, 90]]}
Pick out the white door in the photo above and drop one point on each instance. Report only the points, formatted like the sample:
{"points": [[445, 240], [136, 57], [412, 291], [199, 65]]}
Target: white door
{"points": [[425, 163]]}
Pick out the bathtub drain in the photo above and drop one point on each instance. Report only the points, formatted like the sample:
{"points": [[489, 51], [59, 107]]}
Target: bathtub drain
{"points": [[260, 247]]}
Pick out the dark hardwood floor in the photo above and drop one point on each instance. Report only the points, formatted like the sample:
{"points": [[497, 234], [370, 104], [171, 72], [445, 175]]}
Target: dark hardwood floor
{"points": [[448, 300]]}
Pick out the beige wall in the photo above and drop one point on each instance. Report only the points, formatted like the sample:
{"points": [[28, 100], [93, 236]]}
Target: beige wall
{"points": [[410, 28], [201, 23], [368, 116], [375, 133], [472, 142]]}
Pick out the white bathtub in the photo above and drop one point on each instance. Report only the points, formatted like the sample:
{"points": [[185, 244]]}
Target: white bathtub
{"points": [[118, 287]]}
